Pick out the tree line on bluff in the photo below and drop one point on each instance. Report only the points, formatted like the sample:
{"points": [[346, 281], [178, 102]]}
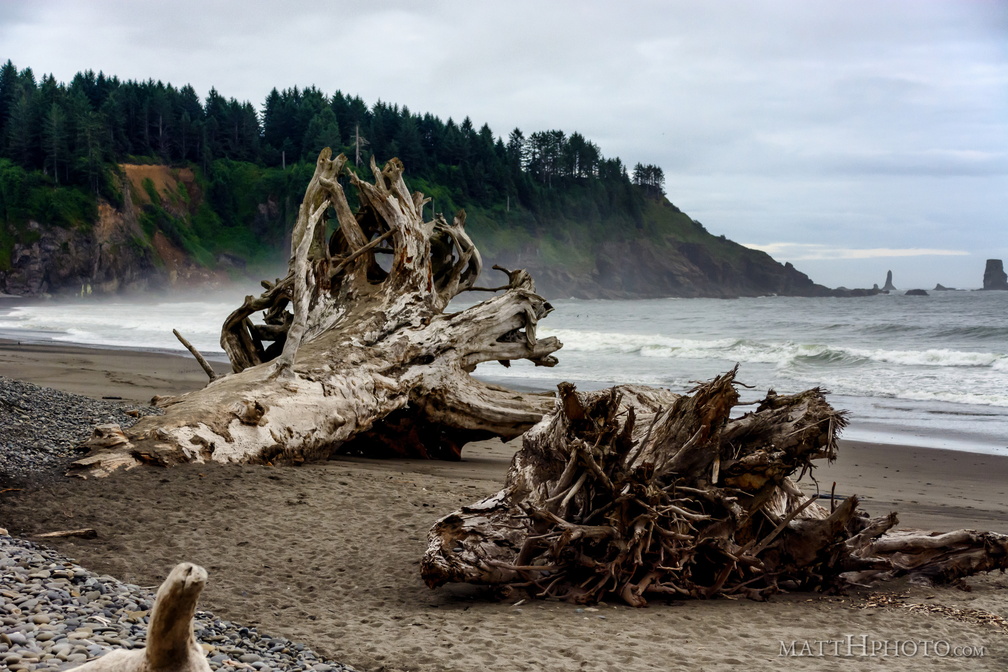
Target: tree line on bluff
{"points": [[74, 133]]}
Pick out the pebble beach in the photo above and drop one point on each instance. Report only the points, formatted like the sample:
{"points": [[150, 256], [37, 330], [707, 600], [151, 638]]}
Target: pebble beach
{"points": [[56, 615], [41, 426], [316, 567]]}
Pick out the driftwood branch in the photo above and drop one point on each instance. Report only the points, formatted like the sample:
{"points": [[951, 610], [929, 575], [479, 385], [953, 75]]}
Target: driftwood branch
{"points": [[204, 364], [83, 533]]}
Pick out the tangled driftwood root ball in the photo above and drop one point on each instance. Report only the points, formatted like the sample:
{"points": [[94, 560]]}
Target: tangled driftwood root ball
{"points": [[354, 350], [636, 493]]}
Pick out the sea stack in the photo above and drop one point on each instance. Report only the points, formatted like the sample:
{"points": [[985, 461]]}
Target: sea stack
{"points": [[994, 275], [889, 287]]}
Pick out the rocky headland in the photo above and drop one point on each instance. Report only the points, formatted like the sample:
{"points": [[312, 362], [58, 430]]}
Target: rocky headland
{"points": [[146, 242]]}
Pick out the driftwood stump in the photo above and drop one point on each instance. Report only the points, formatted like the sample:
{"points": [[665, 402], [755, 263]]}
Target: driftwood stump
{"points": [[635, 492], [355, 351], [171, 644]]}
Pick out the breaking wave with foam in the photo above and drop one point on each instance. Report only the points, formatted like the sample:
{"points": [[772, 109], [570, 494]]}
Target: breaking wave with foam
{"points": [[974, 377], [782, 353]]}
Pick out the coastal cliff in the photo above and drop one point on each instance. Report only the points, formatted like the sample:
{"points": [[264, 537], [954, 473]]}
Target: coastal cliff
{"points": [[103, 258], [643, 268], [207, 188], [139, 245]]}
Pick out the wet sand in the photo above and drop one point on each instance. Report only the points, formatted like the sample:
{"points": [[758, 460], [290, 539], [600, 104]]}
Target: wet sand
{"points": [[130, 375], [328, 554]]}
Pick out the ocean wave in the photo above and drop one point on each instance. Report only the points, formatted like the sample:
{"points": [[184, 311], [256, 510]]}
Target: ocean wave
{"points": [[778, 346], [954, 397], [781, 353], [618, 342], [939, 357], [974, 332], [888, 329], [120, 324], [972, 385], [547, 378]]}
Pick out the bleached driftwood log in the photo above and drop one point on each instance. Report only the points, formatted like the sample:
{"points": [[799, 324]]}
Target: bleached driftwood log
{"points": [[171, 644], [353, 355], [634, 492]]}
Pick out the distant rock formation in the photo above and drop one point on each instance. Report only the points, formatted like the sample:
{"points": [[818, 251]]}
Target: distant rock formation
{"points": [[916, 292], [994, 275], [857, 292], [888, 287], [942, 288]]}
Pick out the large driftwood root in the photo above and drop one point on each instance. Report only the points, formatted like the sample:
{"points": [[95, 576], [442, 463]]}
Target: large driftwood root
{"points": [[171, 645], [355, 351], [634, 492]]}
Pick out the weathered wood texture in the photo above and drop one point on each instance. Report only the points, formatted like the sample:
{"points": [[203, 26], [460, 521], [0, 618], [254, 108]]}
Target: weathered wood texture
{"points": [[171, 644], [352, 354], [635, 492]]}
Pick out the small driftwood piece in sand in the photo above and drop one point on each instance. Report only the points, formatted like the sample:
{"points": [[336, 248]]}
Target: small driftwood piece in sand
{"points": [[353, 350], [171, 645], [635, 493], [83, 533]]}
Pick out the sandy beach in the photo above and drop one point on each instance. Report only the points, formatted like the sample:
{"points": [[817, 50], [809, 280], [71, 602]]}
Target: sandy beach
{"points": [[130, 375], [327, 554]]}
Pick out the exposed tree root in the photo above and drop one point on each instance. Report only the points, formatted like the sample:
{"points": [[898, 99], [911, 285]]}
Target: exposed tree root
{"points": [[634, 492], [354, 355]]}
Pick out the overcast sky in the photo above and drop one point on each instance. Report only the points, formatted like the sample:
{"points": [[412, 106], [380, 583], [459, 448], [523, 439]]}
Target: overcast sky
{"points": [[846, 137]]}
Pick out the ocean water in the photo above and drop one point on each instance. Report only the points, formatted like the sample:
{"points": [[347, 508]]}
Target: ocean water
{"points": [[927, 371]]}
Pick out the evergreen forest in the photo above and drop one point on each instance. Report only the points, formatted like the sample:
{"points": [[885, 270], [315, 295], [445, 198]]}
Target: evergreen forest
{"points": [[60, 145]]}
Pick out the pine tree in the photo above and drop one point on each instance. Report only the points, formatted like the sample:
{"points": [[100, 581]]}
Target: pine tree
{"points": [[54, 140]]}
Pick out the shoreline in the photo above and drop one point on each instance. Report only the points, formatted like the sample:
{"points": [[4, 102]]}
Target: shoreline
{"points": [[952, 482], [103, 373], [327, 554], [137, 375], [952, 489]]}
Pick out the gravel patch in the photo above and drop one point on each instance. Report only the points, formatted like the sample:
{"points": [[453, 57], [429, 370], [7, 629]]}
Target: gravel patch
{"points": [[41, 427]]}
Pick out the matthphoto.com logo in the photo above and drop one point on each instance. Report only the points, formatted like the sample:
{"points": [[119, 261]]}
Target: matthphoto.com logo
{"points": [[865, 646]]}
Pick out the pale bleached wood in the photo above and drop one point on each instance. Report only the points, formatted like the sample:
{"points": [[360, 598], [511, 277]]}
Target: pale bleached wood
{"points": [[83, 533], [200, 359], [171, 644], [360, 352]]}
